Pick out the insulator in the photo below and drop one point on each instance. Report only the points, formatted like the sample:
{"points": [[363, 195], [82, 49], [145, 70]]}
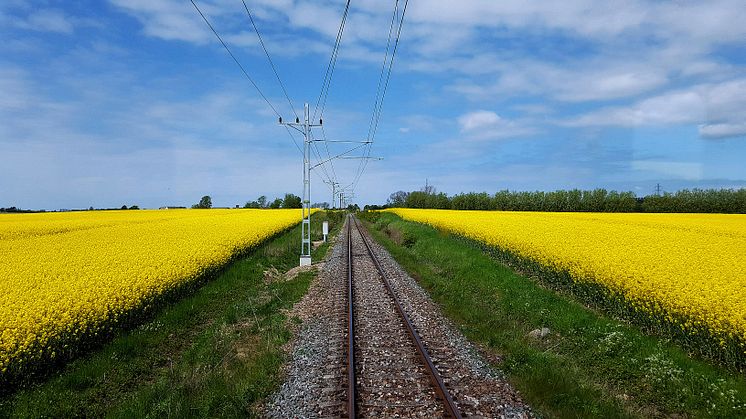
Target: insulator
{"points": [[297, 121], [281, 120]]}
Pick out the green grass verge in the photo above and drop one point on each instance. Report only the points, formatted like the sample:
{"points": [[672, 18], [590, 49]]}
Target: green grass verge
{"points": [[216, 352], [589, 366]]}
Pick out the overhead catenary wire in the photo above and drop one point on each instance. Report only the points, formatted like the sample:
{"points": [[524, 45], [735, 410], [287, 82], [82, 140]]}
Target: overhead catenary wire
{"points": [[321, 101], [377, 113], [333, 177], [279, 81], [326, 145], [326, 84], [238, 63], [269, 58], [292, 137], [388, 74], [315, 150], [243, 70], [344, 153], [383, 67], [379, 85]]}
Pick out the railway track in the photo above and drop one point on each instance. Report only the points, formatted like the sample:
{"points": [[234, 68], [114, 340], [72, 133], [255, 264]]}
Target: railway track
{"points": [[389, 370], [360, 352]]}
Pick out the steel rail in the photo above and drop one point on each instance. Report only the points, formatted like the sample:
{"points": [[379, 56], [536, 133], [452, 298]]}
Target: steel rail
{"points": [[435, 378], [351, 392]]}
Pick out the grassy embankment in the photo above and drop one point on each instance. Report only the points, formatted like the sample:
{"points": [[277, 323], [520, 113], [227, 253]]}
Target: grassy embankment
{"points": [[589, 366], [215, 352]]}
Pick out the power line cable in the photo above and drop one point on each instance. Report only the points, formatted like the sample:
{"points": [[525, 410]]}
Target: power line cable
{"points": [[315, 149], [383, 66], [292, 137], [326, 84], [269, 58], [245, 73], [383, 93], [320, 162], [391, 65], [243, 70], [388, 75], [394, 16], [326, 145], [332, 63]]}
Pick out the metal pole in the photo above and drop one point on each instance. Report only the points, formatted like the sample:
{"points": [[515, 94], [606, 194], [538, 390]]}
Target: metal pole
{"points": [[305, 254], [305, 129]]}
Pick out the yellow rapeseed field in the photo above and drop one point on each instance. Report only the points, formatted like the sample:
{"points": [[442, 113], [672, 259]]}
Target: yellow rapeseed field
{"points": [[688, 268], [69, 276]]}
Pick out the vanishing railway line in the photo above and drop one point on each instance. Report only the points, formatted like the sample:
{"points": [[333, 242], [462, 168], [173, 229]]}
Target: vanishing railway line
{"points": [[360, 350], [389, 371]]}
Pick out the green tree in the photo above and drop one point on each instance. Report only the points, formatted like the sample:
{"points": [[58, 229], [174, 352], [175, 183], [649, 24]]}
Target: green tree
{"points": [[204, 203], [277, 203], [398, 199], [291, 201]]}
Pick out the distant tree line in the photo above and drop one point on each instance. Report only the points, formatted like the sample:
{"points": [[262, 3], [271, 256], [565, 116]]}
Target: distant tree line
{"points": [[19, 210], [289, 201], [596, 200], [698, 200], [16, 210]]}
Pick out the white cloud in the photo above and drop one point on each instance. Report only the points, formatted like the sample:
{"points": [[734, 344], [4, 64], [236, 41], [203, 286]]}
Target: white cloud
{"points": [[717, 108], [420, 122], [483, 125], [639, 46], [40, 20], [455, 28], [677, 107], [534, 109], [585, 87], [144, 148], [647, 62], [681, 170], [722, 130], [479, 120], [170, 19], [49, 21], [598, 79]]}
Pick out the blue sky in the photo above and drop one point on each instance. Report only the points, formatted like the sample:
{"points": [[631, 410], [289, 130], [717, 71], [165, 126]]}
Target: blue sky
{"points": [[105, 103]]}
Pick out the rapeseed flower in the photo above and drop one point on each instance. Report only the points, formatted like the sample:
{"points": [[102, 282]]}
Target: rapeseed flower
{"points": [[65, 277], [685, 269]]}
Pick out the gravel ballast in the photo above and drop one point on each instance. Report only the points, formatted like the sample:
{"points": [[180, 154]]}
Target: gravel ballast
{"points": [[390, 379]]}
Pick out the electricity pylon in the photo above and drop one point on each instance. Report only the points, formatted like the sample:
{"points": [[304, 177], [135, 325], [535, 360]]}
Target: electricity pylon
{"points": [[305, 128], [334, 191]]}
